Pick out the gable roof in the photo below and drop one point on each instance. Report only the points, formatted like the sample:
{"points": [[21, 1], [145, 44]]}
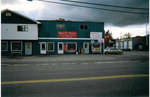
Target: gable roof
{"points": [[20, 15]]}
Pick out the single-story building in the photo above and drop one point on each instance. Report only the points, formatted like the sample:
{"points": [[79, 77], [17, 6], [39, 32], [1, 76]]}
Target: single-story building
{"points": [[133, 43]]}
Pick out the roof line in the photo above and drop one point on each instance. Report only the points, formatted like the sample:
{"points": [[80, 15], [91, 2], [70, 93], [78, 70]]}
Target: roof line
{"points": [[21, 15], [72, 21]]}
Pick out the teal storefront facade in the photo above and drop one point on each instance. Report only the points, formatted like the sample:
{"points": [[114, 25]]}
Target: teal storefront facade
{"points": [[69, 37]]}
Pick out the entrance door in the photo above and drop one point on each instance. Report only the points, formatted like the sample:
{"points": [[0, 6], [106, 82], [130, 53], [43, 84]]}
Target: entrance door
{"points": [[86, 47], [43, 47], [60, 48], [28, 48]]}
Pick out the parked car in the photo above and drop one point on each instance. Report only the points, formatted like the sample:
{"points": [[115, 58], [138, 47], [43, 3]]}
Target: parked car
{"points": [[113, 50]]}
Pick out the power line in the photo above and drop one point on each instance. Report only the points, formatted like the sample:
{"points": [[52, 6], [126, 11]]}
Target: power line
{"points": [[105, 5], [144, 13]]}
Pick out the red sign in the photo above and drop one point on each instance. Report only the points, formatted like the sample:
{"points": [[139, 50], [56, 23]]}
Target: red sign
{"points": [[67, 34]]}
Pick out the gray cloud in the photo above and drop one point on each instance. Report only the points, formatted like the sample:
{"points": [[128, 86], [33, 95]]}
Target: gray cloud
{"points": [[9, 2], [85, 14], [54, 11]]}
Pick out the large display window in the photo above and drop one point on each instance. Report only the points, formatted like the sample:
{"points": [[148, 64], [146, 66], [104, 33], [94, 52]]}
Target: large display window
{"points": [[71, 47], [16, 46], [50, 46], [4, 46]]}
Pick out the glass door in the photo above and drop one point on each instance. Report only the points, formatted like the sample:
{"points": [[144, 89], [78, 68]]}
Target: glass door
{"points": [[60, 48], [43, 47]]}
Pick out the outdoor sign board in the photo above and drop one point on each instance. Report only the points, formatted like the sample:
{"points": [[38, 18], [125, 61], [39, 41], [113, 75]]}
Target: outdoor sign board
{"points": [[96, 35], [63, 34]]}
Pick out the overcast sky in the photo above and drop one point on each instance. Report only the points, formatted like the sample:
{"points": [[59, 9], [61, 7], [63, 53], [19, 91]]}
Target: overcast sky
{"points": [[118, 23]]}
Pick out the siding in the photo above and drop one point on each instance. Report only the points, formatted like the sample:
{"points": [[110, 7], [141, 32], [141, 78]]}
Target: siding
{"points": [[48, 28], [9, 32]]}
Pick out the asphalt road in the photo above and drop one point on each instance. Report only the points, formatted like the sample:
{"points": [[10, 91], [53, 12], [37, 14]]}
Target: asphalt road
{"points": [[76, 75]]}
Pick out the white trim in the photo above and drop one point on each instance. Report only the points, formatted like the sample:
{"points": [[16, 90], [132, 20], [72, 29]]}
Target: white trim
{"points": [[17, 39], [69, 38], [16, 51], [60, 51], [24, 30], [85, 43], [43, 51], [53, 47]]}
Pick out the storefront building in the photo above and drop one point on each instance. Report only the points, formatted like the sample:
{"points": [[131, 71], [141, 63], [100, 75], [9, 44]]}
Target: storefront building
{"points": [[25, 36], [70, 37], [19, 34]]}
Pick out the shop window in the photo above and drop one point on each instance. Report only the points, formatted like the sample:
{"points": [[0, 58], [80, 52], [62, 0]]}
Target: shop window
{"points": [[4, 46], [50, 46], [83, 27], [60, 26], [22, 28], [96, 45], [16, 46], [71, 47]]}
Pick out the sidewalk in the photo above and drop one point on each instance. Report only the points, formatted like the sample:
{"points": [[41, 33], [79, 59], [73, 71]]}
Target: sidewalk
{"points": [[55, 58], [70, 58]]}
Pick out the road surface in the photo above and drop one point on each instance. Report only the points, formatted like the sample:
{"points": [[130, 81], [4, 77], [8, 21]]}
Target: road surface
{"points": [[76, 75]]}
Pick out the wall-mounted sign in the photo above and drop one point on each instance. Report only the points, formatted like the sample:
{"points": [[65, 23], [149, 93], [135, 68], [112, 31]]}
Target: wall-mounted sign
{"points": [[96, 35], [63, 34], [60, 26]]}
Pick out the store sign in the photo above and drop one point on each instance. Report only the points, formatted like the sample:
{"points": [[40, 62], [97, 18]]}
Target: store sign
{"points": [[96, 36], [63, 34]]}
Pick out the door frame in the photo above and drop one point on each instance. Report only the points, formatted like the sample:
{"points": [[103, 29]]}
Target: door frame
{"points": [[42, 51], [86, 49], [31, 47], [60, 51]]}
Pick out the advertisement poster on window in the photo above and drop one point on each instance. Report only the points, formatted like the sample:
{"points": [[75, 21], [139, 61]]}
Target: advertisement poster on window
{"points": [[63, 34], [96, 47]]}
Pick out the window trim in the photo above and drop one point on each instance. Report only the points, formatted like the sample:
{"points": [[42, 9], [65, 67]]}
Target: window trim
{"points": [[70, 43], [26, 27], [53, 47], [16, 42], [86, 43], [7, 45]]}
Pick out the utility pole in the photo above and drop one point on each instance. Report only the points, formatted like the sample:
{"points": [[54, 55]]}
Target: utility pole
{"points": [[146, 36]]}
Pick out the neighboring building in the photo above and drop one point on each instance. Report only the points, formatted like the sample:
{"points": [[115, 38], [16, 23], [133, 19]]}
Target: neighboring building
{"points": [[70, 37], [25, 36], [134, 43], [139, 43], [19, 33], [124, 44], [109, 41]]}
